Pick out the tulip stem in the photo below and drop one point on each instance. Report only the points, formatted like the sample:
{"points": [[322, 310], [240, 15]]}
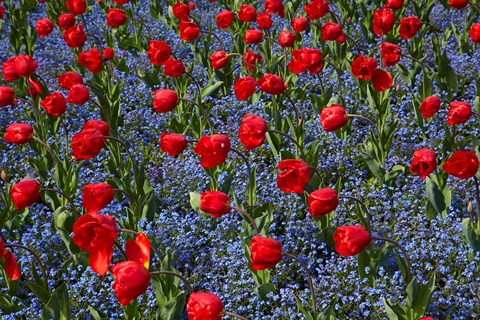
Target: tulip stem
{"points": [[297, 113], [477, 195], [234, 315], [319, 174], [135, 233], [60, 192], [49, 150], [248, 216], [475, 7], [424, 67], [126, 150], [199, 88], [286, 135], [368, 216], [339, 75], [222, 46], [244, 157], [124, 193], [35, 256], [309, 278], [119, 247], [370, 121], [404, 253], [202, 110], [171, 273]]}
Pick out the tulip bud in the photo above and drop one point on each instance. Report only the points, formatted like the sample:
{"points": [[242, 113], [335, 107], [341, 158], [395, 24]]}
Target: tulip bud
{"points": [[470, 207], [4, 176]]}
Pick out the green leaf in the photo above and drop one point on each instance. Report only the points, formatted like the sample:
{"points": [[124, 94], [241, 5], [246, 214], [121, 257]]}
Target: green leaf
{"points": [[303, 308], [211, 89], [418, 295], [471, 235], [96, 314], [58, 306], [435, 196], [173, 309], [195, 201], [263, 290]]}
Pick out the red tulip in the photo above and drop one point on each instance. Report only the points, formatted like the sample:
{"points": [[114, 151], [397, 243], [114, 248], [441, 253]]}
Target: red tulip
{"points": [[364, 67], [172, 143], [272, 84], [97, 196], [250, 59], [322, 202], [25, 193], [475, 32], [75, 36], [213, 150], [44, 27], [10, 263], [244, 87], [77, 7], [164, 100], [252, 132], [264, 21], [215, 203], [306, 59], [274, 6], [78, 94], [351, 240], [18, 133], [333, 117], [391, 53], [331, 31], [116, 17], [458, 4], [189, 31], [286, 39], [99, 125], [224, 19], [265, 252], [294, 176], [18, 66], [7, 97], [181, 11], [247, 13], [139, 250], [2, 12], [299, 24], [430, 106], [383, 21], [34, 88], [462, 164], [316, 9], [459, 112], [66, 20], [91, 59], [54, 104], [253, 36], [159, 52], [96, 234], [394, 4], [424, 162], [69, 79], [174, 68], [204, 306], [108, 53], [219, 59], [131, 280], [382, 80], [87, 144], [409, 27]]}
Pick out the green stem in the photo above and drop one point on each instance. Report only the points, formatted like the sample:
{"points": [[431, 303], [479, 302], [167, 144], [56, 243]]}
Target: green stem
{"points": [[170, 273], [309, 278]]}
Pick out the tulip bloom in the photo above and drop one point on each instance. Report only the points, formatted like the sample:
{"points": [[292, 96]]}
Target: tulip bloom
{"points": [[66, 20], [69, 79], [424, 162], [294, 176], [164, 100], [25, 193], [131, 280], [265, 252], [244, 87], [394, 4], [264, 21], [475, 32], [462, 164], [18, 67], [382, 80], [224, 19], [91, 59], [331, 31], [252, 132], [77, 7], [213, 150], [172, 143], [54, 104], [351, 240], [7, 96], [364, 67], [253, 36], [97, 196], [322, 202], [286, 39], [306, 59], [78, 94], [272, 84], [430, 106], [383, 21], [215, 203], [181, 11], [96, 234], [158, 52], [204, 306], [459, 112], [75, 36], [219, 59], [44, 27], [316, 9], [18, 133], [189, 31], [87, 144], [458, 4], [391, 53], [99, 125], [174, 68], [10, 263], [409, 27], [139, 250], [247, 13], [333, 117], [299, 24], [250, 59]]}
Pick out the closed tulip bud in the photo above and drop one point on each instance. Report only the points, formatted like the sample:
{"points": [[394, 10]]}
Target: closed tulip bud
{"points": [[316, 9], [99, 125], [164, 100], [459, 112], [69, 79], [189, 31], [172, 143], [351, 240], [475, 32], [286, 39], [430, 106], [215, 203], [4, 176], [18, 133], [322, 202], [253, 36], [272, 84], [159, 52], [131, 280], [224, 19], [204, 306], [424, 162], [181, 11], [25, 193], [7, 96], [462, 164], [244, 88], [174, 68], [409, 27], [247, 13], [91, 59], [219, 59], [66, 20], [265, 252], [44, 27], [54, 104], [294, 176], [333, 117], [87, 144], [470, 207], [78, 94], [2, 12], [382, 80], [116, 17], [383, 21], [97, 196], [252, 132], [213, 150]]}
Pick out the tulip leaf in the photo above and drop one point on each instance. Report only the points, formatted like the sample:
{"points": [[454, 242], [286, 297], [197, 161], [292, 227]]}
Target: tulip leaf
{"points": [[435, 196], [173, 309], [211, 89], [303, 308], [96, 314], [58, 306], [471, 235], [195, 201]]}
